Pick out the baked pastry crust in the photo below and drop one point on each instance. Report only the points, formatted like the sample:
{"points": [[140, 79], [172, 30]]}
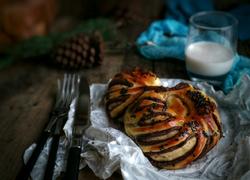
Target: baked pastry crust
{"points": [[125, 88], [173, 126]]}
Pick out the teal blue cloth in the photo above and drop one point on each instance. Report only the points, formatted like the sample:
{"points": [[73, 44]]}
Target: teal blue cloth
{"points": [[166, 38], [163, 39], [241, 68]]}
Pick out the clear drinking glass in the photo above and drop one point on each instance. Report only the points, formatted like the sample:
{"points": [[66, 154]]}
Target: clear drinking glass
{"points": [[211, 46]]}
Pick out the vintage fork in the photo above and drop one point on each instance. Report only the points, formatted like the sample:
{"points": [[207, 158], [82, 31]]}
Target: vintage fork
{"points": [[67, 91]]}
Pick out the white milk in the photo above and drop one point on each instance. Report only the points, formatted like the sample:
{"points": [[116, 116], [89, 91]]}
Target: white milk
{"points": [[208, 58]]}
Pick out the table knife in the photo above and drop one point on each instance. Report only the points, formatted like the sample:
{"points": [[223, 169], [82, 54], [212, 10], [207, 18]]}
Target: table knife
{"points": [[80, 124]]}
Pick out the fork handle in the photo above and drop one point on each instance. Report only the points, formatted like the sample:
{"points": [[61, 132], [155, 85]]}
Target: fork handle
{"points": [[25, 171], [72, 167], [52, 157]]}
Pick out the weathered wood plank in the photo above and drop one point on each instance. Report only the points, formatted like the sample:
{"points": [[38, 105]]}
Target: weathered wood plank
{"points": [[133, 60], [170, 68], [111, 65], [23, 114]]}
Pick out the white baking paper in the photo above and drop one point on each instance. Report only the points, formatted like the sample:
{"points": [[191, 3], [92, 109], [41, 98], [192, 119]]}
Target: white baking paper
{"points": [[109, 149]]}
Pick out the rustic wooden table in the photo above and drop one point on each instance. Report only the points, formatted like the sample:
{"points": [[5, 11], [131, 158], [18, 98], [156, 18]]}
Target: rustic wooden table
{"points": [[27, 91]]}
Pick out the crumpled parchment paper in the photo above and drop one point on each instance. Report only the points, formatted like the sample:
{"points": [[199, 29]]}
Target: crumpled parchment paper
{"points": [[109, 149]]}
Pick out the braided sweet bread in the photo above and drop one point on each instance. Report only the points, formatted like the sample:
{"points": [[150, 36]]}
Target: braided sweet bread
{"points": [[173, 126], [125, 88]]}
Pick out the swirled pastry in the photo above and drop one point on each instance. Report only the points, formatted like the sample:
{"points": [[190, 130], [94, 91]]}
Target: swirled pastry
{"points": [[173, 126], [125, 88]]}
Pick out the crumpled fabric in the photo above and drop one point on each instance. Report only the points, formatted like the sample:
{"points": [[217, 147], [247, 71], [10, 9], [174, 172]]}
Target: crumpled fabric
{"points": [[166, 38], [240, 68]]}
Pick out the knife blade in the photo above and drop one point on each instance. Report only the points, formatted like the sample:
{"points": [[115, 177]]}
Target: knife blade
{"points": [[81, 123]]}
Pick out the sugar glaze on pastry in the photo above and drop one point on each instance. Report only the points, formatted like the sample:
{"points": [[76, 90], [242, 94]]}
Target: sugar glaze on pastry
{"points": [[173, 126]]}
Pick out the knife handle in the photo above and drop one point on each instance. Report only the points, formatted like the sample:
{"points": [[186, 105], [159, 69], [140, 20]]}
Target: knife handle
{"points": [[25, 171], [52, 157], [73, 164]]}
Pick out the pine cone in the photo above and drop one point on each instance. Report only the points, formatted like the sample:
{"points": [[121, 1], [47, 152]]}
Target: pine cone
{"points": [[80, 51]]}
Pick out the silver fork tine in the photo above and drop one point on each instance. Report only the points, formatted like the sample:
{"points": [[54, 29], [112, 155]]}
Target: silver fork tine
{"points": [[75, 86], [69, 84], [61, 84], [74, 80], [78, 78], [72, 87], [65, 97], [69, 90], [59, 92], [68, 93], [65, 79]]}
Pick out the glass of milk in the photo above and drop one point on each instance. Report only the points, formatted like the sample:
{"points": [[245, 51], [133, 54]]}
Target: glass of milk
{"points": [[211, 46]]}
